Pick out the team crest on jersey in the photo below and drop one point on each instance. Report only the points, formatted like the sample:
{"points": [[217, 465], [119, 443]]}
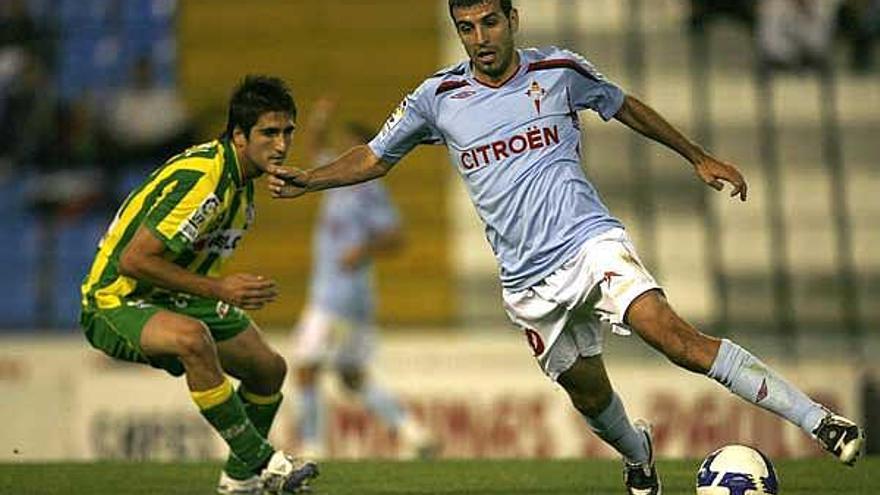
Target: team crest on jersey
{"points": [[204, 212], [536, 93]]}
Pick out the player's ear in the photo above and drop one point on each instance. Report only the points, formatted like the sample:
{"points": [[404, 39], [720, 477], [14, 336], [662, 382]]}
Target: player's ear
{"points": [[239, 139], [514, 20]]}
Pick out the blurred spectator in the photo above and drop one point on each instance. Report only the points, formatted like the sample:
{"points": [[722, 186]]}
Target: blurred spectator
{"points": [[859, 22], [51, 142], [20, 32], [704, 12], [143, 121], [27, 115], [25, 91], [794, 34], [69, 181]]}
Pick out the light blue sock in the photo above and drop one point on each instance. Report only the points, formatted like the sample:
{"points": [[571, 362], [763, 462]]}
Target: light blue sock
{"points": [[613, 426], [384, 406], [748, 377], [310, 415]]}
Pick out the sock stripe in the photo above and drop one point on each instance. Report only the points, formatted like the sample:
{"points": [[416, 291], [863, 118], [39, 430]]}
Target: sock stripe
{"points": [[259, 400], [206, 399]]}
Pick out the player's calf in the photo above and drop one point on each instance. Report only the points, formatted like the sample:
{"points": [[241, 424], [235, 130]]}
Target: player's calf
{"points": [[750, 378]]}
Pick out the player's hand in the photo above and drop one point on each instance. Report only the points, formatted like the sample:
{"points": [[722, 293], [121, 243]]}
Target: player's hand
{"points": [[715, 173], [287, 182], [247, 291]]}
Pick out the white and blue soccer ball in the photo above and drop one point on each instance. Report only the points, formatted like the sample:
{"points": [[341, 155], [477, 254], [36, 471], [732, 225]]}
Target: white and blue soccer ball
{"points": [[737, 470]]}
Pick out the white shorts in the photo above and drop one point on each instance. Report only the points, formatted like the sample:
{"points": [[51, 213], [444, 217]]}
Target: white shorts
{"points": [[562, 315], [322, 337]]}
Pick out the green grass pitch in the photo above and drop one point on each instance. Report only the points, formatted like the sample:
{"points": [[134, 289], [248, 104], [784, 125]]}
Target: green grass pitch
{"points": [[491, 477]]}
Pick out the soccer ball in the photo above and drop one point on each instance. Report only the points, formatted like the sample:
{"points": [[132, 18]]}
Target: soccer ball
{"points": [[737, 470]]}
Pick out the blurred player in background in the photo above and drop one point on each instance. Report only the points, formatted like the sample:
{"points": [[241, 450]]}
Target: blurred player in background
{"points": [[355, 225], [154, 294], [509, 120]]}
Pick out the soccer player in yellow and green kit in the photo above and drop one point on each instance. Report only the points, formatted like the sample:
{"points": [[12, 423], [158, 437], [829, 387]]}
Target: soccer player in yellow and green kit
{"points": [[155, 295]]}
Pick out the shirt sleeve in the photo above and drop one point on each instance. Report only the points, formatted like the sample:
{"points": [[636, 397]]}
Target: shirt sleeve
{"points": [[589, 89], [186, 206], [409, 125]]}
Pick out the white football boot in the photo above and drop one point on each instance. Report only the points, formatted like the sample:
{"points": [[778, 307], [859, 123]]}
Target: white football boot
{"points": [[286, 474], [232, 486]]}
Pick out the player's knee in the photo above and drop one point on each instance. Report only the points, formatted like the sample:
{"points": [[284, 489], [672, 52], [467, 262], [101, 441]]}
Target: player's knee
{"points": [[591, 404], [589, 390], [275, 370], [193, 340]]}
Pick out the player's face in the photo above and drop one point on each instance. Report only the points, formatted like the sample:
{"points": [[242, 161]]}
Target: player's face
{"points": [[487, 36], [268, 144]]}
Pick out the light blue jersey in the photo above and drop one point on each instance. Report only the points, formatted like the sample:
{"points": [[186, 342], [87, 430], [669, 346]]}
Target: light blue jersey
{"points": [[517, 148], [349, 216]]}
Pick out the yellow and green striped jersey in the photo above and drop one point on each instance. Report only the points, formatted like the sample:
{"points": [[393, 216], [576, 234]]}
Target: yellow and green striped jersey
{"points": [[198, 204]]}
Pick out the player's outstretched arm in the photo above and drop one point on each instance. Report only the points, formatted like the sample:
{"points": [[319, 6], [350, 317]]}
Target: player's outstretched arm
{"points": [[359, 164], [646, 121], [144, 259]]}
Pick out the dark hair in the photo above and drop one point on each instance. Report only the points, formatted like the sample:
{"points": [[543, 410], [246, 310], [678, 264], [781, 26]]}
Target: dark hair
{"points": [[255, 95], [506, 5]]}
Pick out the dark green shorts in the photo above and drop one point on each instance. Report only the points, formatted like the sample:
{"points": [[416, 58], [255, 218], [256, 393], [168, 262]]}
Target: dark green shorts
{"points": [[117, 331]]}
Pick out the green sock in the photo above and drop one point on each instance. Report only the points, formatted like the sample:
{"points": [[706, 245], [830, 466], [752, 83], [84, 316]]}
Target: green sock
{"points": [[261, 415], [247, 443]]}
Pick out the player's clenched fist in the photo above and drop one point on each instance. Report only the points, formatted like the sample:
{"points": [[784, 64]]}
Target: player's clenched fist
{"points": [[247, 291], [286, 182]]}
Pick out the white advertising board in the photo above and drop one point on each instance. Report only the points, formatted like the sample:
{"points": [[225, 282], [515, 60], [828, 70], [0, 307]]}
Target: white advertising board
{"points": [[481, 396]]}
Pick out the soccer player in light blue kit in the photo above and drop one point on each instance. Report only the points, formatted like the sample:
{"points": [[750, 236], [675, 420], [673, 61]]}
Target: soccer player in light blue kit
{"points": [[509, 119], [355, 225]]}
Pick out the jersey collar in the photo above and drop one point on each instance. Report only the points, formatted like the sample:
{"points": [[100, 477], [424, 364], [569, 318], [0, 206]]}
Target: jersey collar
{"points": [[231, 164]]}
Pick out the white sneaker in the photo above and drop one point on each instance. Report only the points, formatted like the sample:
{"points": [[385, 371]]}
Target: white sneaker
{"points": [[286, 474], [232, 486]]}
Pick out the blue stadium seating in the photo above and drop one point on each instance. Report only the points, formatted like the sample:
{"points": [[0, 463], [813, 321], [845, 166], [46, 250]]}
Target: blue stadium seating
{"points": [[100, 39], [76, 244], [18, 259]]}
